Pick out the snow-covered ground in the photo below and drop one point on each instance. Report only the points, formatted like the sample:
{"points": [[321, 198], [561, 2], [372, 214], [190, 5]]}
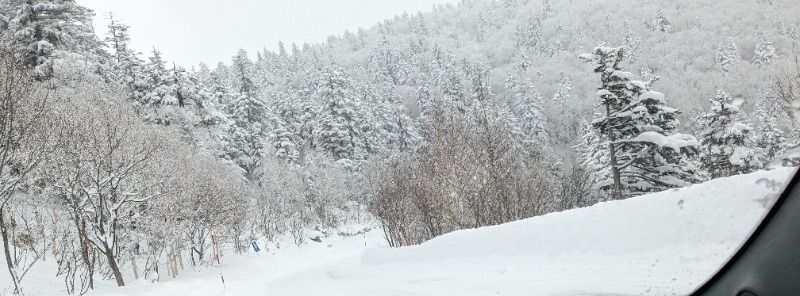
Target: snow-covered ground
{"points": [[659, 244]]}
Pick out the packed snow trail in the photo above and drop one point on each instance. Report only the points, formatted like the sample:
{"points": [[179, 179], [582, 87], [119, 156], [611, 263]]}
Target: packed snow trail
{"points": [[659, 244]]}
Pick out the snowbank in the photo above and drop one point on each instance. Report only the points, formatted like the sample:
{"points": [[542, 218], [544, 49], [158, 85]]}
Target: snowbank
{"points": [[716, 212], [692, 230]]}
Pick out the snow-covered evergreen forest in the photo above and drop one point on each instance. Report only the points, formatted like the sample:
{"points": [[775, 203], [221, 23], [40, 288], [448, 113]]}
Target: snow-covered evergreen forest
{"points": [[114, 161]]}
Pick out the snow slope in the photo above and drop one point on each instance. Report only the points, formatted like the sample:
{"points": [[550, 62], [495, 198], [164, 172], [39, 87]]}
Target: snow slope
{"points": [[660, 244]]}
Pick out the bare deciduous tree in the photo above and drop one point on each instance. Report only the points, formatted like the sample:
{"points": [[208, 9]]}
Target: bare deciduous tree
{"points": [[100, 169], [786, 87], [23, 142], [469, 174]]}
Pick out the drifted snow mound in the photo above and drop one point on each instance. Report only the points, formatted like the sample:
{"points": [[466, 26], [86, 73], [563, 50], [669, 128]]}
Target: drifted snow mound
{"points": [[720, 212], [665, 243]]}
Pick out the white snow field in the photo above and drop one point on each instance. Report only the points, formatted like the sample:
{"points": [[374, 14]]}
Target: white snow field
{"points": [[666, 243]]}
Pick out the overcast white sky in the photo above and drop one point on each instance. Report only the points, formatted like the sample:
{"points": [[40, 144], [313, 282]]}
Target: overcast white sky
{"points": [[193, 31]]}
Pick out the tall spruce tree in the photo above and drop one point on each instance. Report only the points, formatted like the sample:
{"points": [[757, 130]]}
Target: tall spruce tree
{"points": [[728, 54], [339, 131], [726, 144], [661, 23], [775, 145], [284, 142], [645, 152], [765, 52], [41, 28], [246, 136], [593, 155], [529, 111], [126, 64], [447, 77]]}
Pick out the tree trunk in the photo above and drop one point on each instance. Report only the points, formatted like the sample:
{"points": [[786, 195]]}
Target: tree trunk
{"points": [[134, 267], [173, 259], [112, 263], [7, 252], [84, 241], [617, 187], [179, 257]]}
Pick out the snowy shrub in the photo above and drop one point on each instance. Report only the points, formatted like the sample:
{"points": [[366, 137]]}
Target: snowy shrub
{"points": [[471, 175]]}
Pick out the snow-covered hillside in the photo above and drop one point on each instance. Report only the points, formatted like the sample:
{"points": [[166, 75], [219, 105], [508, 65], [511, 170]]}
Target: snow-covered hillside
{"points": [[121, 169], [658, 244]]}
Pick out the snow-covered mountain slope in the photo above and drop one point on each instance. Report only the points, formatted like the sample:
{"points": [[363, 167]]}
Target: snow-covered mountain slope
{"points": [[659, 244]]}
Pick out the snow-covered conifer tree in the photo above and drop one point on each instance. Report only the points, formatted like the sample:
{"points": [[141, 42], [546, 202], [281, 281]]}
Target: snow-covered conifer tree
{"points": [[726, 140], [424, 101], [632, 43], [770, 138], [579, 30], [791, 30], [562, 96], [40, 28], [284, 143], [387, 65], [547, 9], [126, 62], [529, 111], [646, 154], [728, 54], [447, 78], [765, 51], [481, 27], [388, 129], [593, 155], [149, 91], [531, 34], [246, 136], [697, 25], [339, 132], [242, 70], [661, 23]]}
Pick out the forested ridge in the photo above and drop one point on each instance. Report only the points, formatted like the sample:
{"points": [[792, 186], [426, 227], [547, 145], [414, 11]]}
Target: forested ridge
{"points": [[471, 115]]}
